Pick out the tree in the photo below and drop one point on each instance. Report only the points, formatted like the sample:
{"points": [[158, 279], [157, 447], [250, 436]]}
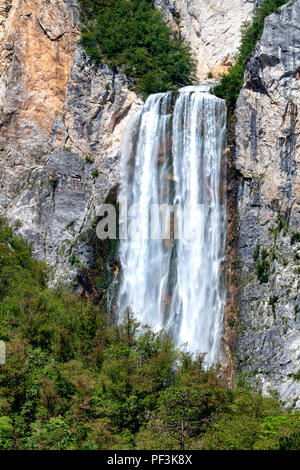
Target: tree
{"points": [[186, 408], [280, 432], [6, 433], [231, 84]]}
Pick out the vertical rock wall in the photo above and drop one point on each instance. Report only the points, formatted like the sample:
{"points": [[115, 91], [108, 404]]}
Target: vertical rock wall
{"points": [[62, 121], [267, 160], [57, 108], [213, 29]]}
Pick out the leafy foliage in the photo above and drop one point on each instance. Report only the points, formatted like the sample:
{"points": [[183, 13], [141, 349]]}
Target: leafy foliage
{"points": [[295, 238], [131, 35], [262, 267], [231, 84], [72, 381]]}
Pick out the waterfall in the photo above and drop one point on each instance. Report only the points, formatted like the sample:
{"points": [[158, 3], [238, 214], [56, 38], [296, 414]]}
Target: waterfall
{"points": [[174, 154]]}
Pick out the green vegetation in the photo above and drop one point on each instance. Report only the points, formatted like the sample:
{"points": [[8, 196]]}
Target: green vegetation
{"points": [[273, 301], [74, 381], [131, 36], [89, 159], [263, 259], [95, 173], [262, 265], [297, 375], [73, 260], [231, 84], [295, 238], [53, 182], [241, 432]]}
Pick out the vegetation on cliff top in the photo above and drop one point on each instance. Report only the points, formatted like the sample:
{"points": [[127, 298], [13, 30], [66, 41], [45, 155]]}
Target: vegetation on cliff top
{"points": [[231, 84], [74, 381], [131, 36]]}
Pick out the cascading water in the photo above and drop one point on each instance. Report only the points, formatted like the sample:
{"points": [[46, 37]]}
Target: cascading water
{"points": [[174, 154]]}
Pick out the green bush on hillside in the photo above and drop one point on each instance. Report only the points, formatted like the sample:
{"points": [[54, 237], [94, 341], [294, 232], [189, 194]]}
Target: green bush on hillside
{"points": [[130, 35], [74, 381], [231, 84]]}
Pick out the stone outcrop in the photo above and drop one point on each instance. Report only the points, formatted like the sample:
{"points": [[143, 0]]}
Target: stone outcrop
{"points": [[61, 124], [212, 28], [267, 159]]}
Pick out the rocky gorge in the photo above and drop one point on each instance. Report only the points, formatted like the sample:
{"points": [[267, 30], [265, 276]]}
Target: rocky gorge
{"points": [[62, 126]]}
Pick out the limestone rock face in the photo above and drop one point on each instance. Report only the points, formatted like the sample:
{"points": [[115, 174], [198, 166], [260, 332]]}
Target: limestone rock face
{"points": [[212, 27], [38, 43], [267, 157], [61, 118], [59, 112]]}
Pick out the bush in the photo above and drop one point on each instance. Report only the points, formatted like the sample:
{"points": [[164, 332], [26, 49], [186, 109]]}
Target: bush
{"points": [[280, 433], [131, 36], [295, 238], [6, 432], [262, 265]]}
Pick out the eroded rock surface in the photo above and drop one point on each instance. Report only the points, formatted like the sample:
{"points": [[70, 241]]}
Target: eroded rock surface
{"points": [[62, 122], [267, 157], [38, 43]]}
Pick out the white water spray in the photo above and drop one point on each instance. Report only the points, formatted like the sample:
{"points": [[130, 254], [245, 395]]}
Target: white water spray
{"points": [[174, 154]]}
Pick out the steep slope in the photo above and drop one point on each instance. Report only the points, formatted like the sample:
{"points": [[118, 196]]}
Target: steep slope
{"points": [[212, 27], [267, 159], [62, 118], [57, 108]]}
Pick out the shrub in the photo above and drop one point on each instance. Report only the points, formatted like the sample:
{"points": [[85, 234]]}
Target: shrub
{"points": [[295, 238], [89, 159], [6, 432], [272, 301], [296, 376], [280, 433], [131, 36], [262, 265], [73, 381]]}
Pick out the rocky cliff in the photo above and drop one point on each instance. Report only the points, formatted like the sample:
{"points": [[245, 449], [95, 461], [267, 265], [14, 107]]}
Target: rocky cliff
{"points": [[213, 29], [62, 122], [268, 219]]}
